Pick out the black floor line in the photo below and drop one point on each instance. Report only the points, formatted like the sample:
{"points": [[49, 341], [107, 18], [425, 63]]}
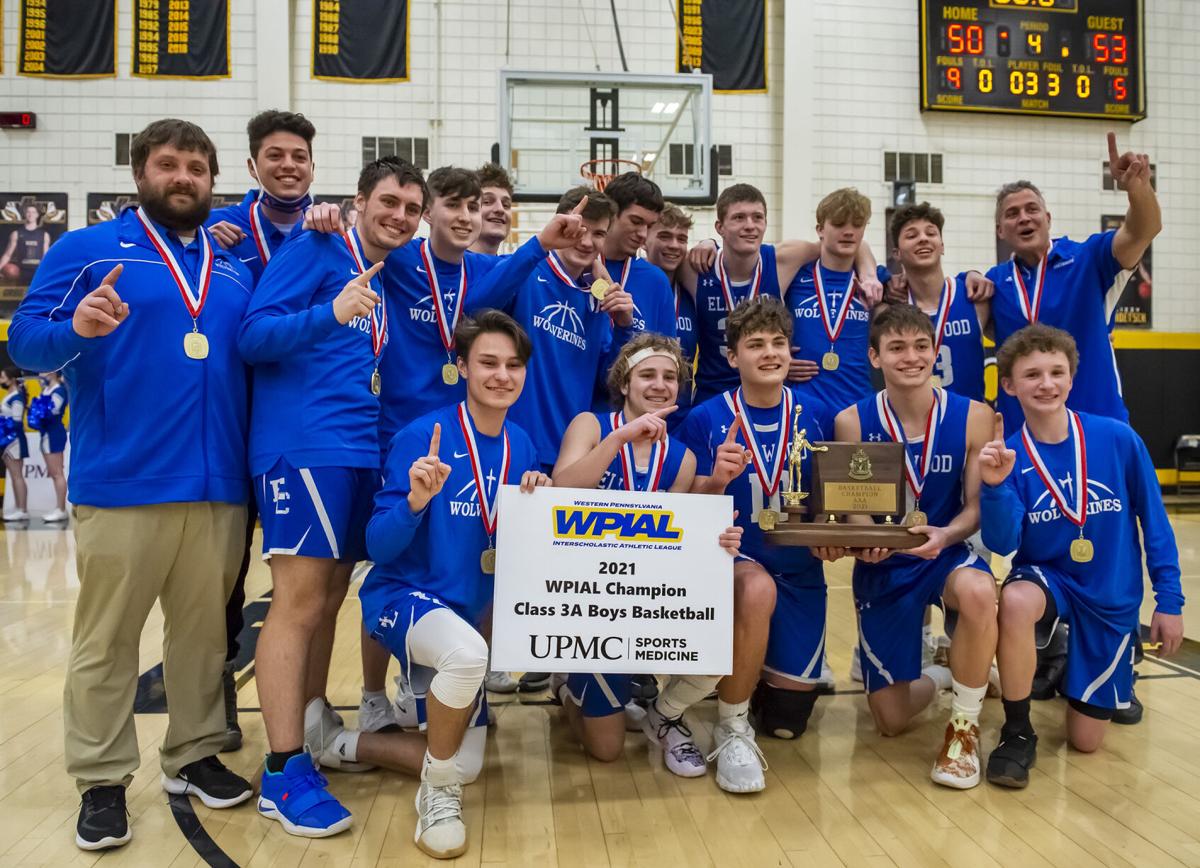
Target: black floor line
{"points": [[193, 830]]}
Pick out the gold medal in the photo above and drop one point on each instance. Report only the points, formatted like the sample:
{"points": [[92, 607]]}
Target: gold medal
{"points": [[829, 361], [935, 381], [376, 382], [767, 519], [1081, 550], [916, 518], [487, 561], [600, 288], [450, 374], [195, 345]]}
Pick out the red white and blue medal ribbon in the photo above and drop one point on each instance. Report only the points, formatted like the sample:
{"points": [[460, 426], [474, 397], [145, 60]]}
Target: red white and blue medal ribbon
{"points": [[378, 320], [658, 458], [193, 299], [625, 269], [945, 301], [768, 477], [833, 324], [446, 323], [914, 473], [727, 284], [560, 271], [259, 233], [1030, 307], [487, 508], [1075, 512]]}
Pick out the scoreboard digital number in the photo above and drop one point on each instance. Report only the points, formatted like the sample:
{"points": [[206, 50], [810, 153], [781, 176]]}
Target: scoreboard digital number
{"points": [[1071, 58]]}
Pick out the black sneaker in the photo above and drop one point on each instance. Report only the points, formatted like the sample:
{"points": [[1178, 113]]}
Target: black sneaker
{"points": [[1010, 762], [233, 732], [216, 785], [643, 689], [1131, 715], [532, 682], [103, 821]]}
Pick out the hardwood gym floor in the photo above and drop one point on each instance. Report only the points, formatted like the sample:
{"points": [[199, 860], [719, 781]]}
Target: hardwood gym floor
{"points": [[839, 795]]}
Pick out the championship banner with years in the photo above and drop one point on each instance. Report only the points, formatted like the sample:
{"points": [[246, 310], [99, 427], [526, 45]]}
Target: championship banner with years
{"points": [[360, 40], [181, 38], [612, 581], [68, 38], [725, 38]]}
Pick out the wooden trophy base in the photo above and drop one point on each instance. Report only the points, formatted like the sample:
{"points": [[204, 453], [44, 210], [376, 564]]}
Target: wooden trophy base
{"points": [[798, 531]]}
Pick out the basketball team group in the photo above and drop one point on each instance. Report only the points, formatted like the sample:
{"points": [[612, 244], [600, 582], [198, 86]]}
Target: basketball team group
{"points": [[363, 393]]}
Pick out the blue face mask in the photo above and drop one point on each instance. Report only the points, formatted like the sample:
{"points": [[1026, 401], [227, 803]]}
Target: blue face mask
{"points": [[285, 206]]}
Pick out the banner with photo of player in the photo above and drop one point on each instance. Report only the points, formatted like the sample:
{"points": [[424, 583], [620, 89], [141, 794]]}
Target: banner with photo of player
{"points": [[102, 207], [181, 39], [725, 38], [29, 224], [345, 205], [68, 38], [1136, 296], [360, 41]]}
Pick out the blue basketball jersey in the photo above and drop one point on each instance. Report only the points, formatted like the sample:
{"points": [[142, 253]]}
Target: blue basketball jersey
{"points": [[704, 432], [685, 330], [1022, 515], [644, 478], [714, 375], [959, 361], [851, 382], [1080, 288], [942, 494]]}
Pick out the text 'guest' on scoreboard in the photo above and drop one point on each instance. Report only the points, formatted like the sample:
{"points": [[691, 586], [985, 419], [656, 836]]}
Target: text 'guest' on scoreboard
{"points": [[1071, 58]]}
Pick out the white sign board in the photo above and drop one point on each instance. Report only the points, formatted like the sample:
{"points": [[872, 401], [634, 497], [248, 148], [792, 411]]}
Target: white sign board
{"points": [[612, 581], [41, 486]]}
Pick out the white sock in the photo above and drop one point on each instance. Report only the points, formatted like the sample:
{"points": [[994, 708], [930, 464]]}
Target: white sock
{"points": [[348, 738], [968, 701], [373, 696], [729, 710], [439, 772], [682, 692], [939, 675]]}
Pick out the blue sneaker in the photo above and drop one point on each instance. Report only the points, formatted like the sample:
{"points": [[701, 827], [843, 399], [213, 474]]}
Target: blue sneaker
{"points": [[297, 798]]}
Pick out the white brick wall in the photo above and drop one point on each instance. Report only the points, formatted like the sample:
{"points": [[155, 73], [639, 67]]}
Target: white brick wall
{"points": [[860, 100]]}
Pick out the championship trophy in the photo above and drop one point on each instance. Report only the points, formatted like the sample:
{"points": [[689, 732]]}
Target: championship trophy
{"points": [[848, 479]]}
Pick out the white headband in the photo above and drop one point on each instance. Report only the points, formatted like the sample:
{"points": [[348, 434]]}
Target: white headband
{"points": [[648, 353]]}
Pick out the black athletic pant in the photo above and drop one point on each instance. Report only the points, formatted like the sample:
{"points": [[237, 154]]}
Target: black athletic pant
{"points": [[234, 618]]}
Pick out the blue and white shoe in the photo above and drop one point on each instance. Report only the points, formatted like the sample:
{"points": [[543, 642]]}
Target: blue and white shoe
{"points": [[297, 798]]}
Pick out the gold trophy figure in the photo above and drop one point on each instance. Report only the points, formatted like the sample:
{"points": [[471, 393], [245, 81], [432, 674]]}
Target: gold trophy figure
{"points": [[793, 489]]}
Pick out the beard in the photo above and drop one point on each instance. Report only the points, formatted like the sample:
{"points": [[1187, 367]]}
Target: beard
{"points": [[158, 205]]}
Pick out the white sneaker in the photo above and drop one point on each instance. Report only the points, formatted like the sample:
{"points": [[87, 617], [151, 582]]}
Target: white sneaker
{"points": [[957, 764], [500, 682], [55, 515], [404, 706], [826, 681], [441, 832], [16, 515], [740, 763], [994, 690], [680, 753], [376, 713], [635, 716], [321, 730], [856, 665]]}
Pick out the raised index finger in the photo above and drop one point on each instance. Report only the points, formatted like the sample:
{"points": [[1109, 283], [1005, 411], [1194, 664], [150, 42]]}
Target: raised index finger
{"points": [[666, 411], [1113, 156], [110, 279], [731, 436], [998, 428], [578, 209], [435, 442], [372, 271]]}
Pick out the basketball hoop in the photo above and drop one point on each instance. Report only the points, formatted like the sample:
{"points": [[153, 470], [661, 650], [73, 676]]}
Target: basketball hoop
{"points": [[599, 172]]}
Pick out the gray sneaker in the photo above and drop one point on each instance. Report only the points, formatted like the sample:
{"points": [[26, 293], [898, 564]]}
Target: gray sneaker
{"points": [[441, 832]]}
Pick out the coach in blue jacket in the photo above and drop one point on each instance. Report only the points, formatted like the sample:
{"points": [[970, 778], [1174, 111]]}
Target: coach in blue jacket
{"points": [[142, 315]]}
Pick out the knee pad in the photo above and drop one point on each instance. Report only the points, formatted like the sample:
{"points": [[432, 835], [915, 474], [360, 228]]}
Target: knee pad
{"points": [[1095, 712], [460, 672], [782, 713]]}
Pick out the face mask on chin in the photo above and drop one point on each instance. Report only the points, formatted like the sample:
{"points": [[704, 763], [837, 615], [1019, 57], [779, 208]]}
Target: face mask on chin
{"points": [[275, 203]]}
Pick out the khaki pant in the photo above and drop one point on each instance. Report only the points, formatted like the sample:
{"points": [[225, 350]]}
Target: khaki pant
{"points": [[186, 555]]}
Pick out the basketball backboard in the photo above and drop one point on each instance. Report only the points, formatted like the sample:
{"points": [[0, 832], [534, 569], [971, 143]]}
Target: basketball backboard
{"points": [[553, 122]]}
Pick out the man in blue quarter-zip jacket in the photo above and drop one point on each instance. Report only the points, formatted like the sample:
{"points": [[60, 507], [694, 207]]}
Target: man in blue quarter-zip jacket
{"points": [[316, 331], [142, 314]]}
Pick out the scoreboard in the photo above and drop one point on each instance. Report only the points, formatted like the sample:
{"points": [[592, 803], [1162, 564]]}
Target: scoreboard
{"points": [[1072, 58]]}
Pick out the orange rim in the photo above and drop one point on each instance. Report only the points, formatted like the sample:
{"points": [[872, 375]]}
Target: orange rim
{"points": [[588, 170]]}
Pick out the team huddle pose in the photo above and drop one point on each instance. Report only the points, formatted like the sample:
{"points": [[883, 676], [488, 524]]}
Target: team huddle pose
{"points": [[367, 392]]}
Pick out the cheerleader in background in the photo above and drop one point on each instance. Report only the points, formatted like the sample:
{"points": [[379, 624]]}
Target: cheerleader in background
{"points": [[46, 413], [12, 436]]}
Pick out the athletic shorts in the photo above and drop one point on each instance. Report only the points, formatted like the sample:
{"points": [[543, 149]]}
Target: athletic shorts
{"points": [[54, 440], [391, 630], [600, 695], [1099, 652], [316, 512], [891, 599], [796, 646]]}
